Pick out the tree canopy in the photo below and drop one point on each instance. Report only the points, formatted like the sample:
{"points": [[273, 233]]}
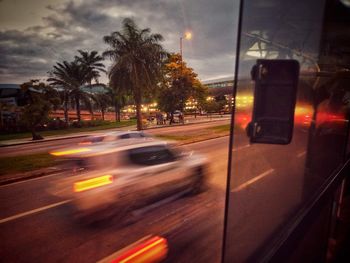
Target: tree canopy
{"points": [[180, 84], [137, 62], [71, 76], [40, 100], [93, 62]]}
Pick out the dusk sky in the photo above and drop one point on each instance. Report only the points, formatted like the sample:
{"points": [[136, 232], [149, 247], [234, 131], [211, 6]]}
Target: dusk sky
{"points": [[35, 34]]}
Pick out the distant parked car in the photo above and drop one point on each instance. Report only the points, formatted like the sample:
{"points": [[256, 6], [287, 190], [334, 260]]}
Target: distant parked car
{"points": [[178, 117]]}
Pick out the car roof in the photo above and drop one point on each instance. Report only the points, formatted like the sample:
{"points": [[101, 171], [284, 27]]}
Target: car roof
{"points": [[113, 133]]}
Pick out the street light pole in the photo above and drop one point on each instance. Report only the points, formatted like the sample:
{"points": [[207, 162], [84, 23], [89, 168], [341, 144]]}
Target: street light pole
{"points": [[181, 54], [181, 47], [188, 35]]}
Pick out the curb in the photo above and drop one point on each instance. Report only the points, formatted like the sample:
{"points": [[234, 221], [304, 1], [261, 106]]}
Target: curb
{"points": [[44, 140]]}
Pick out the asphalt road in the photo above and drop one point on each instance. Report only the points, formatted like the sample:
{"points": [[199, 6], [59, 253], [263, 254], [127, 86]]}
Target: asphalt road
{"points": [[36, 226], [266, 186]]}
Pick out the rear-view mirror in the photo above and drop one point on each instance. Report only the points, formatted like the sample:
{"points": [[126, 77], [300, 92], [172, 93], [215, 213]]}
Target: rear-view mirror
{"points": [[275, 91]]}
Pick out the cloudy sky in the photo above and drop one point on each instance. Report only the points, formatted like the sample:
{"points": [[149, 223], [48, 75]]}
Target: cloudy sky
{"points": [[35, 34]]}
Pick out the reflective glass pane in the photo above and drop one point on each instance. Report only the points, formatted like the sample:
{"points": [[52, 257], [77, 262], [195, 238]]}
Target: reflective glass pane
{"points": [[271, 184]]}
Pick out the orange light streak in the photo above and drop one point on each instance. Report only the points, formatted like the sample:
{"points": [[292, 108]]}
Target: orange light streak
{"points": [[93, 183], [68, 152]]}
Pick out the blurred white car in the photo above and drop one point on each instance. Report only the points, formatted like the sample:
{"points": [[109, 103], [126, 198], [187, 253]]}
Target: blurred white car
{"points": [[113, 136], [129, 176]]}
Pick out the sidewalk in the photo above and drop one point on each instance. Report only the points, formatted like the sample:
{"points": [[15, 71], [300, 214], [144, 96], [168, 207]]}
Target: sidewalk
{"points": [[188, 121]]}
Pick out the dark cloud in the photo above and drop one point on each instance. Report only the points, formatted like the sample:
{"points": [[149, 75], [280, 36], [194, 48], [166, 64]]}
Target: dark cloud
{"points": [[82, 25], [55, 22]]}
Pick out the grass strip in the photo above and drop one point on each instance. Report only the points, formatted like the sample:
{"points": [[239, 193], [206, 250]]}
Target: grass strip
{"points": [[71, 130], [174, 137], [25, 163], [221, 128], [199, 135]]}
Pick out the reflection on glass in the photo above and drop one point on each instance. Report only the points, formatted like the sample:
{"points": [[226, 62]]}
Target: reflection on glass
{"points": [[270, 184]]}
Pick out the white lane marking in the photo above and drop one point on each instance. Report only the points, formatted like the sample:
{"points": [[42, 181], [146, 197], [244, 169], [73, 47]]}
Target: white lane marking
{"points": [[32, 179], [301, 154], [7, 219], [251, 181], [240, 148]]}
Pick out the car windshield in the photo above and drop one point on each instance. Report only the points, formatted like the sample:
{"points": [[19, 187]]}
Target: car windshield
{"points": [[151, 155]]}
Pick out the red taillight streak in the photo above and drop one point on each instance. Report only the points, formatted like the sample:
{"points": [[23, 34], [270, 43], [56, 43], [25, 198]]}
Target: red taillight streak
{"points": [[132, 251]]}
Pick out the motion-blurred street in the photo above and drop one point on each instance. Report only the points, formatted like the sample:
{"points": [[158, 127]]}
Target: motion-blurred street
{"points": [[35, 226]]}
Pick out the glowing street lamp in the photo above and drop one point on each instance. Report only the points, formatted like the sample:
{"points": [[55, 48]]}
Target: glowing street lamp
{"points": [[188, 35]]}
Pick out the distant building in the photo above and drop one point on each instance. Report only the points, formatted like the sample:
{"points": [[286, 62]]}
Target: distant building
{"points": [[9, 94], [219, 86], [95, 89], [224, 86]]}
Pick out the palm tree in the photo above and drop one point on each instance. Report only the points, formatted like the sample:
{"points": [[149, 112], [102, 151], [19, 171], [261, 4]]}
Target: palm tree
{"points": [[41, 100], [120, 100], [71, 76], [119, 83], [117, 98], [103, 101], [138, 58], [92, 61]]}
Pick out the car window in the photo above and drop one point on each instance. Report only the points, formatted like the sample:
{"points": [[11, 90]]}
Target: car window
{"points": [[132, 135], [125, 136], [152, 155], [136, 135]]}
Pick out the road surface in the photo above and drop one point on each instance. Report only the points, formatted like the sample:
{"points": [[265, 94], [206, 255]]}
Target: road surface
{"points": [[35, 226]]}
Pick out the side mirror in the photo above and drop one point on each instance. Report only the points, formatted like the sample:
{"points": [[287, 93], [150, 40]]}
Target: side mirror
{"points": [[276, 83]]}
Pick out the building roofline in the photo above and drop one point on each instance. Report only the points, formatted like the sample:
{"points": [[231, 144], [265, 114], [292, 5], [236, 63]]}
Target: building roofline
{"points": [[216, 80]]}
